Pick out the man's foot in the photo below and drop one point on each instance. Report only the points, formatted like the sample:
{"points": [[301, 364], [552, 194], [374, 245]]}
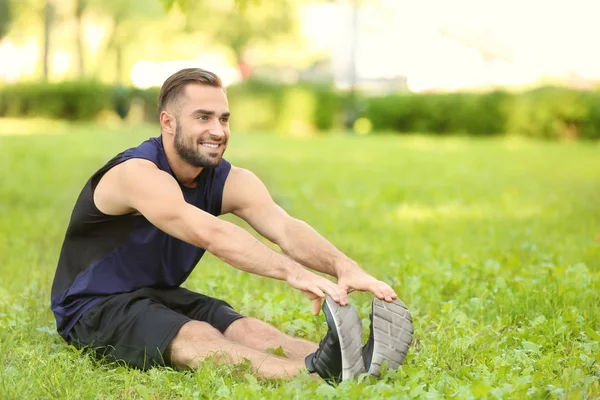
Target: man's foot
{"points": [[391, 336], [339, 356]]}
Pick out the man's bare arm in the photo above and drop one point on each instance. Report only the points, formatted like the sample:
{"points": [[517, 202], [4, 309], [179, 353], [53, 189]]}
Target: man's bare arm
{"points": [[140, 185], [247, 197]]}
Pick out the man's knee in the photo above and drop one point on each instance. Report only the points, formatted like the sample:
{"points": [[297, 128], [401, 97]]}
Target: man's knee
{"points": [[197, 330], [196, 341], [249, 327]]}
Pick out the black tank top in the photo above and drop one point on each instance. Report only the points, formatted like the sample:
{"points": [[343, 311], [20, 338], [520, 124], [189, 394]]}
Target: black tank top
{"points": [[104, 254]]}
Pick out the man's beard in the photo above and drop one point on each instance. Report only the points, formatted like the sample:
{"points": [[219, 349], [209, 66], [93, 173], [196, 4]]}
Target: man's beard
{"points": [[187, 149]]}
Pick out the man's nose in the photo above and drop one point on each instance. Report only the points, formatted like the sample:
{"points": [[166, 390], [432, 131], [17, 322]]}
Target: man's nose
{"points": [[216, 129]]}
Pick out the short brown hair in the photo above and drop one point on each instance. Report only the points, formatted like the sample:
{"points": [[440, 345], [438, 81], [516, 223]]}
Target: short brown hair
{"points": [[174, 85]]}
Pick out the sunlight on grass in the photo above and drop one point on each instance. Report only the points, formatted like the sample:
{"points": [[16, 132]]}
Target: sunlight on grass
{"points": [[32, 126], [432, 143], [417, 212]]}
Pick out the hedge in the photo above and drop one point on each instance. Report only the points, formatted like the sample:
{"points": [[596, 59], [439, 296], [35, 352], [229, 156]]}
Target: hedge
{"points": [[554, 112], [67, 100], [548, 112]]}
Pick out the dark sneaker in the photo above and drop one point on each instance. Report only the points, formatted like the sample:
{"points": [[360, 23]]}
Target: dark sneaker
{"points": [[391, 336], [339, 356]]}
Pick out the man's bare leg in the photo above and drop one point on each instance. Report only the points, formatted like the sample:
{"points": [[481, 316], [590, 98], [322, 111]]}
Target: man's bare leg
{"points": [[197, 340], [259, 335]]}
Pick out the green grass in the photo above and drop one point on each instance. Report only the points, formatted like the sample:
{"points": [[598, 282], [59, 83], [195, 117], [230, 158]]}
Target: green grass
{"points": [[494, 244]]}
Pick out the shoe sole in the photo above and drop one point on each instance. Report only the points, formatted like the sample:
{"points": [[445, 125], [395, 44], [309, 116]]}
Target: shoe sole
{"points": [[392, 334], [349, 329]]}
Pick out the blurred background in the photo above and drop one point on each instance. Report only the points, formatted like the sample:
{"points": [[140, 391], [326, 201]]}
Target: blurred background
{"points": [[301, 67]]}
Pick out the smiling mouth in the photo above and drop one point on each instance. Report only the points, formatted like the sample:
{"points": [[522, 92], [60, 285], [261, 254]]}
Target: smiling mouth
{"points": [[211, 145]]}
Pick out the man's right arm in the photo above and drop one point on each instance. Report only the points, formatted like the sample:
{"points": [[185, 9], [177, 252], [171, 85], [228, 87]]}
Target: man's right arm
{"points": [[139, 185]]}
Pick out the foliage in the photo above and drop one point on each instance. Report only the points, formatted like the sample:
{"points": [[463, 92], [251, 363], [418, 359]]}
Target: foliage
{"points": [[440, 113], [66, 100], [185, 5], [297, 109], [554, 113], [492, 243], [128, 18], [23, 15], [548, 112], [6, 17], [241, 28], [133, 30]]}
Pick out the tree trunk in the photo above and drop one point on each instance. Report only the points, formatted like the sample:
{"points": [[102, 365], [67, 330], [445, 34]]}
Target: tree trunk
{"points": [[351, 107], [48, 20], [119, 63], [114, 45], [79, 38]]}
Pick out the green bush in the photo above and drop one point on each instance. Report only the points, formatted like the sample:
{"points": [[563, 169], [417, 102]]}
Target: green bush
{"points": [[253, 105], [548, 112], [483, 114], [440, 113], [121, 100], [147, 100], [553, 112], [67, 100], [328, 111], [302, 108], [591, 129]]}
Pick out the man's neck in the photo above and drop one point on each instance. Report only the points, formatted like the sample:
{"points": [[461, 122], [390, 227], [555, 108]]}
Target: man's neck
{"points": [[184, 173]]}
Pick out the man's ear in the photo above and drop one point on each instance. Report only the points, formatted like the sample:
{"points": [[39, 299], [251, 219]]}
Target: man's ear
{"points": [[167, 122]]}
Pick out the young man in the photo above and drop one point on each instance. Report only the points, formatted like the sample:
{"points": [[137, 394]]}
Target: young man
{"points": [[143, 221]]}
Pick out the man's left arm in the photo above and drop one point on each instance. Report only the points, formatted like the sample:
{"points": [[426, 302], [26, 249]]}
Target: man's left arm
{"points": [[248, 198]]}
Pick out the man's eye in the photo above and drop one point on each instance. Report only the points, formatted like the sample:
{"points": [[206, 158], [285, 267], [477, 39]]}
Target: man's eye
{"points": [[203, 117], [224, 120]]}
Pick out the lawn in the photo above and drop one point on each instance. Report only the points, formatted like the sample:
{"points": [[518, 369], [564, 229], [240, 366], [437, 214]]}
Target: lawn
{"points": [[494, 245]]}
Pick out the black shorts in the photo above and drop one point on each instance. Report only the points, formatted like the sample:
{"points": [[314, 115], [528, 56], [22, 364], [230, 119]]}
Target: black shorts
{"points": [[137, 327]]}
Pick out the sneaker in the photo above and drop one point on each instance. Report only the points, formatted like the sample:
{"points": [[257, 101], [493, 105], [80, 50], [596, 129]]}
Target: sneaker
{"points": [[390, 338], [339, 356]]}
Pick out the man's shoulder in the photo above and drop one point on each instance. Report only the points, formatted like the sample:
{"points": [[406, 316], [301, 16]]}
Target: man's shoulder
{"points": [[239, 175], [242, 188]]}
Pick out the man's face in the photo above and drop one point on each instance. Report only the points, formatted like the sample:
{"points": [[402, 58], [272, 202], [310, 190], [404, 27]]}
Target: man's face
{"points": [[202, 128]]}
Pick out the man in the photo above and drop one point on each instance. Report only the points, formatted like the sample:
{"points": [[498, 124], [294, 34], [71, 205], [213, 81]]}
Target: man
{"points": [[143, 221]]}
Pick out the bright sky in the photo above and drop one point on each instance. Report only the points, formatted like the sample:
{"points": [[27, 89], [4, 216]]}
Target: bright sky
{"points": [[544, 37]]}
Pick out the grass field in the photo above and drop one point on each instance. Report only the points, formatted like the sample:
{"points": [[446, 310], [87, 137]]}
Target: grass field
{"points": [[494, 244]]}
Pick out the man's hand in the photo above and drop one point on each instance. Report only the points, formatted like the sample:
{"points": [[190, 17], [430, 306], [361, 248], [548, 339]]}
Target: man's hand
{"points": [[354, 278], [315, 288]]}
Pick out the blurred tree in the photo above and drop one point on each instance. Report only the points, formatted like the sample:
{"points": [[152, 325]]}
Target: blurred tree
{"points": [[6, 17], [185, 5], [80, 7], [49, 14], [35, 18], [126, 17], [239, 27]]}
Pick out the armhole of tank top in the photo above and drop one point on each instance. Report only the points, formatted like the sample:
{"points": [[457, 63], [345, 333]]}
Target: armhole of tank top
{"points": [[222, 179], [95, 179]]}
